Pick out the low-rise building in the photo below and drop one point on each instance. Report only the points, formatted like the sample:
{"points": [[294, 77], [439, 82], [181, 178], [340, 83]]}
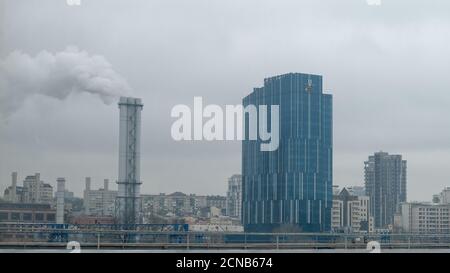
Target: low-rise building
{"points": [[27, 213], [179, 204], [216, 228], [357, 190], [92, 220], [13, 194], [425, 218], [217, 201], [350, 213]]}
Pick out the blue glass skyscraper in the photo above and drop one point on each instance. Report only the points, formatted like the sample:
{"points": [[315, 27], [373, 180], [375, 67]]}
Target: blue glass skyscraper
{"points": [[290, 189]]}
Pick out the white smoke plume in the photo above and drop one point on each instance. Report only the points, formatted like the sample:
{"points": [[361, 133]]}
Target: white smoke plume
{"points": [[57, 75]]}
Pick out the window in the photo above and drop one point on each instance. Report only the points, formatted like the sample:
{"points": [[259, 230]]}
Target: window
{"points": [[50, 217], [27, 217], [3, 216], [15, 216], [39, 217]]}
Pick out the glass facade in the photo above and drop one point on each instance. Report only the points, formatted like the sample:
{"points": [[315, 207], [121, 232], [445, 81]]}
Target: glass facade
{"points": [[290, 189]]}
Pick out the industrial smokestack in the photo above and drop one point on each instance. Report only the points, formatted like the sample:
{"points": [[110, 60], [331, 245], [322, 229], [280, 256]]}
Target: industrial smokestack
{"points": [[60, 189], [14, 187], [37, 188], [106, 184], [86, 195], [128, 197]]}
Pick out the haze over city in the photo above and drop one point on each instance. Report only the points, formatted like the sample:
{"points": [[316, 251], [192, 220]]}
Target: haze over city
{"points": [[386, 67]]}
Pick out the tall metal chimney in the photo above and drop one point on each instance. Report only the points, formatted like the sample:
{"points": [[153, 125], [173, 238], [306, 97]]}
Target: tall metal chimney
{"points": [[14, 187], [60, 189], [106, 184], [86, 198], [128, 204], [37, 188]]}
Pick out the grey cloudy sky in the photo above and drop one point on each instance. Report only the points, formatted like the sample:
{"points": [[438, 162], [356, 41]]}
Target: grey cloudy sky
{"points": [[387, 67]]}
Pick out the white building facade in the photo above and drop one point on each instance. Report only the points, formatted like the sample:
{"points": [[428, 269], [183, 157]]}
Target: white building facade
{"points": [[234, 196], [351, 213], [424, 217], [99, 202]]}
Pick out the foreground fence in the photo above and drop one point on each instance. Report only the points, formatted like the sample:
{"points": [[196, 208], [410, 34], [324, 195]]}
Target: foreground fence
{"points": [[178, 237]]}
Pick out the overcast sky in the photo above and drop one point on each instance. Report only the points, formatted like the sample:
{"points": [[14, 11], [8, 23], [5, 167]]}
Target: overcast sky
{"points": [[387, 67]]}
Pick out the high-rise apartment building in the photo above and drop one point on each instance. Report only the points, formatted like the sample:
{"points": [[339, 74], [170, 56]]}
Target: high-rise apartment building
{"points": [[99, 202], [33, 191], [290, 187], [234, 196], [36, 191], [385, 183]]}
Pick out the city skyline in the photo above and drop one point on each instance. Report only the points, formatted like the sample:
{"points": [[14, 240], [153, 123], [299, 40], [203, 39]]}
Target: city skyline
{"points": [[387, 72]]}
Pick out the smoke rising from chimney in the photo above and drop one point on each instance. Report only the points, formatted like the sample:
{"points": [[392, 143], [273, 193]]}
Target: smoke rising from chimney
{"points": [[57, 75]]}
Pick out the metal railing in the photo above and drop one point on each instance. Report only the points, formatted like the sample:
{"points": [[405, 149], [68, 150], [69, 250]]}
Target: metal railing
{"points": [[104, 237]]}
